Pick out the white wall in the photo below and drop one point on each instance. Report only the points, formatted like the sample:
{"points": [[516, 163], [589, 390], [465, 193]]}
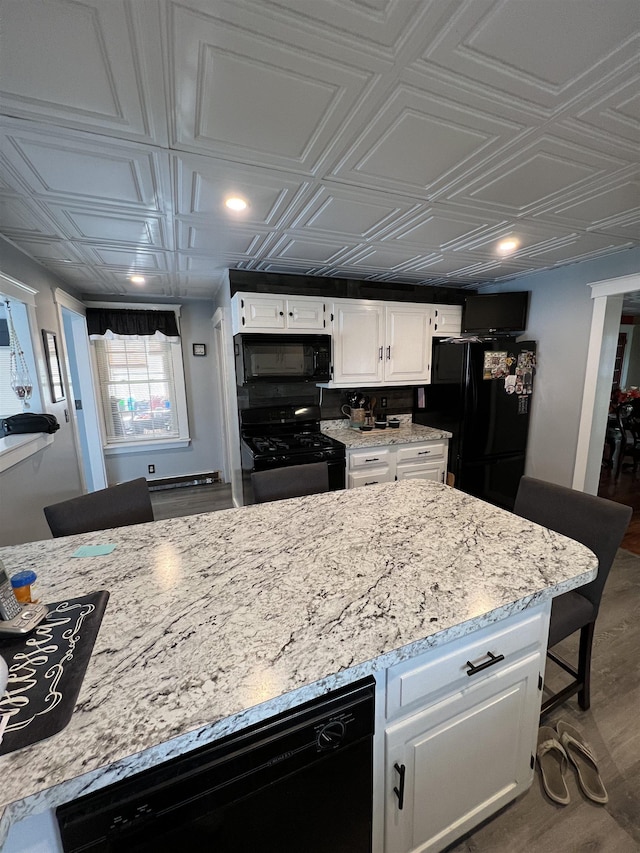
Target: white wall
{"points": [[52, 474], [206, 451], [560, 321]]}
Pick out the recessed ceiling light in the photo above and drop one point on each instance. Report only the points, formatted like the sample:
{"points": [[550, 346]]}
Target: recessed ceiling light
{"points": [[137, 279], [506, 247], [236, 203]]}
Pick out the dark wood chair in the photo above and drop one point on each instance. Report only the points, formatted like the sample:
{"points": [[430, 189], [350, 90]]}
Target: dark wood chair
{"points": [[116, 506], [291, 482], [628, 416], [600, 525]]}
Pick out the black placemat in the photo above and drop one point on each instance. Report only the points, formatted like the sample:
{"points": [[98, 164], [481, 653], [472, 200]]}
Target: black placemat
{"points": [[46, 670]]}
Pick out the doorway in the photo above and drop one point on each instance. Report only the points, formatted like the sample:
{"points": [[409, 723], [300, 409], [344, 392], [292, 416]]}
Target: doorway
{"points": [[605, 324], [83, 408]]}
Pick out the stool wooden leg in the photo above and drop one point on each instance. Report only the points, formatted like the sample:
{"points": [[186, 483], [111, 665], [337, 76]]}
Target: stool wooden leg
{"points": [[584, 665]]}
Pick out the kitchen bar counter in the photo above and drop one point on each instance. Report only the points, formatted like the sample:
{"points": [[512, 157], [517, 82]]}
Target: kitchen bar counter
{"points": [[219, 620], [406, 433]]}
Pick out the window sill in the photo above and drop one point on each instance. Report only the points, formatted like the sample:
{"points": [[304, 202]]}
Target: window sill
{"points": [[143, 446], [16, 448]]}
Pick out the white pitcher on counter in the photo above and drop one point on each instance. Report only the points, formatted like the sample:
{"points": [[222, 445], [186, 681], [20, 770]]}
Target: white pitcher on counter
{"points": [[356, 416]]}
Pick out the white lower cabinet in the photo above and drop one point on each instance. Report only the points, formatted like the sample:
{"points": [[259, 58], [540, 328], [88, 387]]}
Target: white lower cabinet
{"points": [[460, 733], [424, 460]]}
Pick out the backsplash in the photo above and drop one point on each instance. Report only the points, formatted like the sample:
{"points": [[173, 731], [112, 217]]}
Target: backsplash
{"points": [[331, 400], [399, 400]]}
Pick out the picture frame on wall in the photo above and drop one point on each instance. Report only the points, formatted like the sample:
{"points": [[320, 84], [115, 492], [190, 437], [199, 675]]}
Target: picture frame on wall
{"points": [[52, 359]]}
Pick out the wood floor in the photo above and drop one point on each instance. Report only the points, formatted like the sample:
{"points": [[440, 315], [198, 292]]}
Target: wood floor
{"points": [[626, 490], [188, 500], [533, 823]]}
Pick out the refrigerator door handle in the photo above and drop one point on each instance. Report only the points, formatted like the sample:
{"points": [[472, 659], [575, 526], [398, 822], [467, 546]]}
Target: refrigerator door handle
{"points": [[472, 382]]}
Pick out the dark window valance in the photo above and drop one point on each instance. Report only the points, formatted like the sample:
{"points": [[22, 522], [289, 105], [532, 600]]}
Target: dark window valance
{"points": [[125, 322]]}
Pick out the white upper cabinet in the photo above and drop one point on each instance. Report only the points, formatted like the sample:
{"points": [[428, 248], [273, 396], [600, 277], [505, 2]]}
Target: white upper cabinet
{"points": [[258, 312], [407, 353], [447, 320], [358, 342], [378, 343]]}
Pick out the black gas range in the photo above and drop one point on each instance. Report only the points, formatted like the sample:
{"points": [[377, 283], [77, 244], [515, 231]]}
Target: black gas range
{"points": [[279, 436]]}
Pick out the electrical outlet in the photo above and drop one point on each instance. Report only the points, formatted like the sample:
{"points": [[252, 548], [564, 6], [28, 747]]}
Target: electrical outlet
{"points": [[152, 469], [383, 402]]}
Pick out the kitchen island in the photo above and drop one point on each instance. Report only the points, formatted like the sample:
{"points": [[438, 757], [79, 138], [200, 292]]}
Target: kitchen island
{"points": [[219, 620]]}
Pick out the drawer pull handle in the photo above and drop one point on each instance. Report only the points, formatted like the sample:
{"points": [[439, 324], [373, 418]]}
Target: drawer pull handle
{"points": [[373, 459], [371, 483], [492, 659], [424, 452], [399, 792]]}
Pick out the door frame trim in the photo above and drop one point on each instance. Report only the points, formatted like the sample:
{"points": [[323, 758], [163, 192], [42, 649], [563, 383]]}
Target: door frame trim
{"points": [[605, 321]]}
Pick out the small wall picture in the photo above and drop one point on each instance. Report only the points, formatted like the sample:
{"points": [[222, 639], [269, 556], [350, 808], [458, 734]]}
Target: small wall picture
{"points": [[199, 349], [53, 365]]}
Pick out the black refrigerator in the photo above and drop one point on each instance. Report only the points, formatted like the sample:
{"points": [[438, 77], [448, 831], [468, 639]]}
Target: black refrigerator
{"points": [[481, 391]]}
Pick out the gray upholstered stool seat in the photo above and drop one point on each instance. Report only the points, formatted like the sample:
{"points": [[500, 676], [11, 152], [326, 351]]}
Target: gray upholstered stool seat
{"points": [[600, 525], [116, 506]]}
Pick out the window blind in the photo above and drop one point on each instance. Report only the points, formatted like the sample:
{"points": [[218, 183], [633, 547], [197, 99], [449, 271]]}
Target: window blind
{"points": [[137, 388]]}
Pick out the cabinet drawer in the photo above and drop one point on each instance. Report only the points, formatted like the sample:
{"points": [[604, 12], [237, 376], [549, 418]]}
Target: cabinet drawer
{"points": [[422, 471], [420, 452], [369, 477], [443, 669], [375, 457]]}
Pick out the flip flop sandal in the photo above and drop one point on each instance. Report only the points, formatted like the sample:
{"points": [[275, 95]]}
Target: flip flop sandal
{"points": [[582, 757], [552, 761]]}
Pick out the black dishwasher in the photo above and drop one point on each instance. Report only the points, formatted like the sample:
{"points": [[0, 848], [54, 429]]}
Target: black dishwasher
{"points": [[299, 781]]}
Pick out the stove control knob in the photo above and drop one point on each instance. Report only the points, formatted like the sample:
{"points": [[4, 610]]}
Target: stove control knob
{"points": [[330, 735]]}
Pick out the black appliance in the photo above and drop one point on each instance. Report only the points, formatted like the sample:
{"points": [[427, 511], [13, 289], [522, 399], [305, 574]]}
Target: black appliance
{"points": [[282, 358], [298, 781], [495, 313], [481, 392], [279, 436]]}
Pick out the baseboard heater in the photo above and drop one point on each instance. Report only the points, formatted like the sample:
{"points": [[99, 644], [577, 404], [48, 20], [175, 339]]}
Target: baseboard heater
{"points": [[183, 482]]}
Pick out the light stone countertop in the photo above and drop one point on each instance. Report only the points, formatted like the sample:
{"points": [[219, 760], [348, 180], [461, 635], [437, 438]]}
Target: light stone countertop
{"points": [[406, 433], [220, 620]]}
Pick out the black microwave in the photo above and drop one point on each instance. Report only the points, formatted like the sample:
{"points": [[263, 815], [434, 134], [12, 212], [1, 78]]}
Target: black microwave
{"points": [[282, 358]]}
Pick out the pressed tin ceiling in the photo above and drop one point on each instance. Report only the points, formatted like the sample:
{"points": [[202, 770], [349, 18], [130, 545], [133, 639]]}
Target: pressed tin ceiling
{"points": [[394, 140]]}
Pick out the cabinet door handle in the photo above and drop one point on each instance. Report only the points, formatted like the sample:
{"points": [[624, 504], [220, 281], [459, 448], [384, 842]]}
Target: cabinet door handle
{"points": [[373, 459], [399, 792], [372, 483], [380, 353], [492, 660], [281, 313], [388, 353]]}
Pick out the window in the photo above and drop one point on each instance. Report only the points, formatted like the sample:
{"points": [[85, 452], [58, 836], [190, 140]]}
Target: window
{"points": [[141, 388]]}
